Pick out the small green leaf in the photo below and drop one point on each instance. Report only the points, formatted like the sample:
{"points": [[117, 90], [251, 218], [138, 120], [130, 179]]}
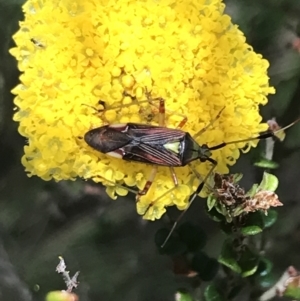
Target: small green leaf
{"points": [[211, 293], [270, 219], [292, 291], [237, 177], [252, 191], [183, 296], [215, 215], [212, 268], [235, 290], [228, 256], [220, 209], [206, 267], [193, 236], [264, 267], [174, 245], [269, 182], [238, 211], [228, 218], [199, 261], [226, 228], [211, 201], [267, 164], [249, 271], [254, 223], [248, 262], [59, 296], [251, 230], [266, 281]]}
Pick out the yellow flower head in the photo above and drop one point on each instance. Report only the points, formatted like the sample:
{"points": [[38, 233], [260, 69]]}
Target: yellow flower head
{"points": [[75, 53]]}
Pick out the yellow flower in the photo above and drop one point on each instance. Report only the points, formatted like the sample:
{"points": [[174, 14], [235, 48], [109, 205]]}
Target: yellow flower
{"points": [[75, 53]]}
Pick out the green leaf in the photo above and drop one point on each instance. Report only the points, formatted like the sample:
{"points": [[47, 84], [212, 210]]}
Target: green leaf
{"points": [[269, 182], [249, 271], [194, 237], [267, 164], [226, 228], [251, 230], [211, 270], [223, 211], [183, 296], [270, 219], [228, 218], [211, 293], [206, 267], [215, 215], [254, 224], [228, 256], [199, 261], [238, 211], [292, 291], [264, 267], [211, 201], [248, 262], [237, 177], [252, 191], [174, 245], [58, 296], [266, 281], [235, 290]]}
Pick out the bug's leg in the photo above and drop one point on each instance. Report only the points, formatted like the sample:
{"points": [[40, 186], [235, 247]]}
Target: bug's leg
{"points": [[97, 110], [210, 124], [160, 107], [148, 184], [193, 197], [175, 180], [182, 122], [100, 102], [119, 185], [154, 168], [140, 193], [174, 177], [162, 110], [113, 108]]}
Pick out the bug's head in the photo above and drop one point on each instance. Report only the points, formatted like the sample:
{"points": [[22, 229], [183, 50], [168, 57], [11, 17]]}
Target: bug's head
{"points": [[204, 153]]}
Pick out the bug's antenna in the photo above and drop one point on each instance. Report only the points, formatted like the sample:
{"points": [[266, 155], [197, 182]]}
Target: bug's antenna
{"points": [[198, 190], [100, 102], [214, 163], [261, 136]]}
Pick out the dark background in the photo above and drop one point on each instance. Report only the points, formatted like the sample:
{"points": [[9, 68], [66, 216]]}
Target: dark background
{"points": [[106, 240]]}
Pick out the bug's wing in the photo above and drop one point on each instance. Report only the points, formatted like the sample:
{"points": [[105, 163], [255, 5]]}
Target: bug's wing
{"points": [[152, 154], [153, 145], [154, 134]]}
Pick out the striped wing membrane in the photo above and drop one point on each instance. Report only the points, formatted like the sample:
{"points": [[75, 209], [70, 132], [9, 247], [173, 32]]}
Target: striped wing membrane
{"points": [[148, 145]]}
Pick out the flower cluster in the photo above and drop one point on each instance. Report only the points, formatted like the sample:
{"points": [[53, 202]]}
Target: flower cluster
{"points": [[74, 53]]}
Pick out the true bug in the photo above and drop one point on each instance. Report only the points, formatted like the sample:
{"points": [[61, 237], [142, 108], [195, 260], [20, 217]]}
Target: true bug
{"points": [[159, 146]]}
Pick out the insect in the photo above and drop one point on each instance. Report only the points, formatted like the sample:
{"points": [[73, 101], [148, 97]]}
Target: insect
{"points": [[159, 146]]}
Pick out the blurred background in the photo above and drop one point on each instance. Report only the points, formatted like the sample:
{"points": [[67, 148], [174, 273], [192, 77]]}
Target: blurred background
{"points": [[106, 240]]}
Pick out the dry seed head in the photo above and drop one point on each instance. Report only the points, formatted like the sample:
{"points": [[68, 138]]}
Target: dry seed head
{"points": [[262, 200], [236, 201]]}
